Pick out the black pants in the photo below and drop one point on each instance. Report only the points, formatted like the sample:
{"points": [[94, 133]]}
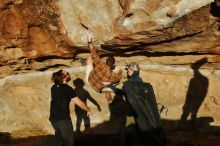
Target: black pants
{"points": [[63, 132]]}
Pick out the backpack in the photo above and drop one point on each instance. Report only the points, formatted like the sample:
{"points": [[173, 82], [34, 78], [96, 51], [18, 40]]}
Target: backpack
{"points": [[142, 100]]}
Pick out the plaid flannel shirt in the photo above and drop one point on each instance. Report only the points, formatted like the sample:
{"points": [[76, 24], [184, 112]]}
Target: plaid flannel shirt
{"points": [[101, 73]]}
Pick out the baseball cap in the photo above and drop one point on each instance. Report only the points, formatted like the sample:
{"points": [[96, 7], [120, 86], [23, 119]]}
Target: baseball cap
{"points": [[134, 66]]}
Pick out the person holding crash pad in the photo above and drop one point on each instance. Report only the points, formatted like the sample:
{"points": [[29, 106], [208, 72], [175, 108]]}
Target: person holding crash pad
{"points": [[142, 102]]}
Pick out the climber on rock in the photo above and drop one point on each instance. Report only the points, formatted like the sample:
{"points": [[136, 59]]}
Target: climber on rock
{"points": [[99, 71]]}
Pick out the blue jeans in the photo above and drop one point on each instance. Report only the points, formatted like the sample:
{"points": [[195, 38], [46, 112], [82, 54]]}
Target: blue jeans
{"points": [[63, 132]]}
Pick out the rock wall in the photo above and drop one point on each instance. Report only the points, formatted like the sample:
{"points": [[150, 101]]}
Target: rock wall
{"points": [[30, 29], [25, 98], [34, 29]]}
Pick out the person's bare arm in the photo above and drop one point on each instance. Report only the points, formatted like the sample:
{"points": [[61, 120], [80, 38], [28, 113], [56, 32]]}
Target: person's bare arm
{"points": [[95, 57], [90, 44], [82, 105]]}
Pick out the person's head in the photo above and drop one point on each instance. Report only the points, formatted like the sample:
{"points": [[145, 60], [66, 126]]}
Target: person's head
{"points": [[110, 61], [60, 77], [131, 68]]}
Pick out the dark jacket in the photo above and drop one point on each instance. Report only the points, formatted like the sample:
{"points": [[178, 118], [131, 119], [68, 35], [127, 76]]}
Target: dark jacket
{"points": [[141, 99], [134, 78]]}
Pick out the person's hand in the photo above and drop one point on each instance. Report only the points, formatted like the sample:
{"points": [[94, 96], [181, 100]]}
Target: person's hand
{"points": [[120, 71], [89, 113], [89, 37], [99, 108], [106, 83]]}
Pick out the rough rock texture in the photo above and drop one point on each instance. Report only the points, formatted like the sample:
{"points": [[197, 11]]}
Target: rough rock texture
{"points": [[29, 94], [167, 38], [30, 29], [39, 28]]}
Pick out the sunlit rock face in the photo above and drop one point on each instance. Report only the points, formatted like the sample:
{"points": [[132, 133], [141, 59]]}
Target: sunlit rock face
{"points": [[30, 29], [25, 104], [25, 98], [39, 28], [108, 19]]}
